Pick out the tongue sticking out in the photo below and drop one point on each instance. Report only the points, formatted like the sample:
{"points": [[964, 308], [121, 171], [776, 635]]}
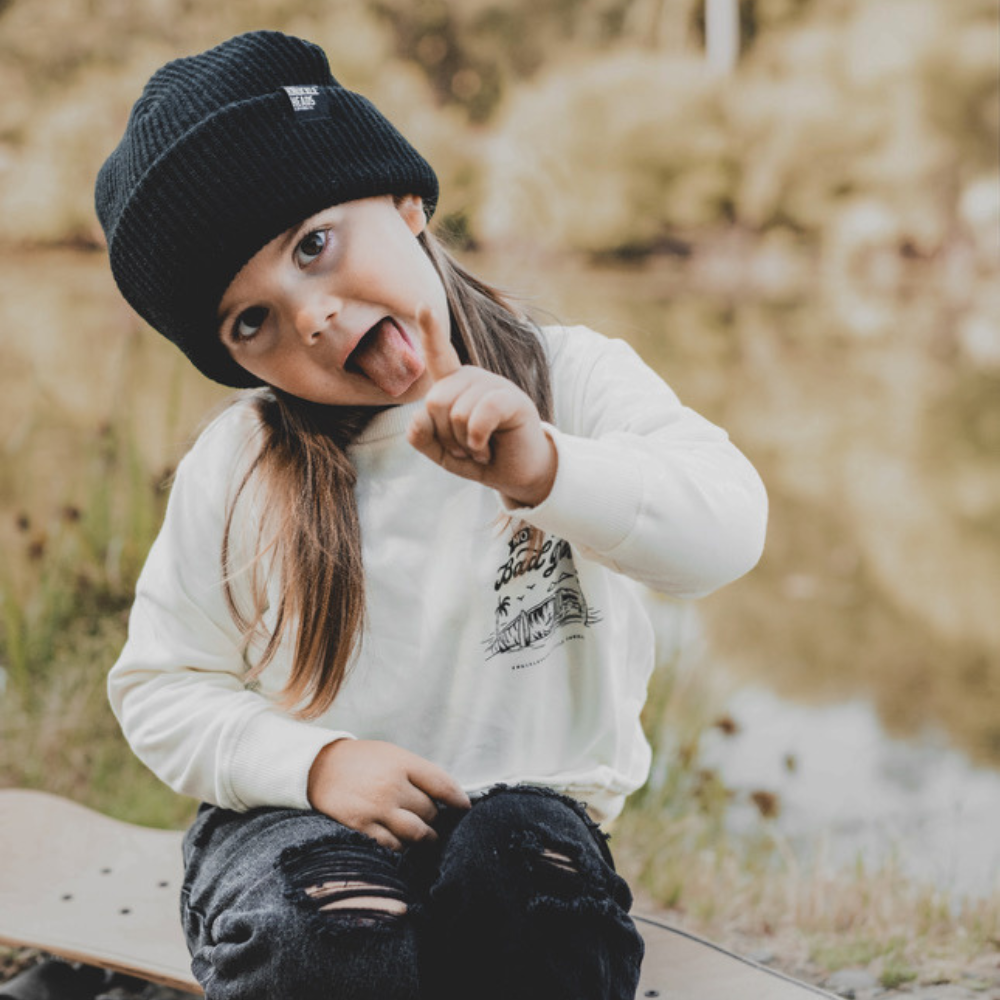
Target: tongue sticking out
{"points": [[387, 358]]}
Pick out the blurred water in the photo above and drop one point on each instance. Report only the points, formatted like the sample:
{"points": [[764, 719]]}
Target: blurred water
{"points": [[846, 788]]}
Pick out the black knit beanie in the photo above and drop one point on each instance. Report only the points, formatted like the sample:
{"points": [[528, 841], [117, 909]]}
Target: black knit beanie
{"points": [[223, 152]]}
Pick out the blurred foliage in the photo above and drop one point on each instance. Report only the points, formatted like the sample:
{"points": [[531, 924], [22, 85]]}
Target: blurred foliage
{"points": [[589, 125], [72, 71], [889, 101], [66, 585], [473, 52]]}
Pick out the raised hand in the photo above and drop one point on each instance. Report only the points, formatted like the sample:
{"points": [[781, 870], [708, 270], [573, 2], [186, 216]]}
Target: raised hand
{"points": [[479, 425], [384, 791]]}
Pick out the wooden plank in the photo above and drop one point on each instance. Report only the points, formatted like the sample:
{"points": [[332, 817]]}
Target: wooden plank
{"points": [[93, 889], [90, 888], [681, 966]]}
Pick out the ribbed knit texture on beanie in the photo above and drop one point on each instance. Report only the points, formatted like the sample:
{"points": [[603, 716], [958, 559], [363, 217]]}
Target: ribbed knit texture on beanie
{"points": [[223, 152]]}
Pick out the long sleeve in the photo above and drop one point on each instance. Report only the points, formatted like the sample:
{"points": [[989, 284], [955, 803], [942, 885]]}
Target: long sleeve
{"points": [[646, 486], [178, 687], [495, 666]]}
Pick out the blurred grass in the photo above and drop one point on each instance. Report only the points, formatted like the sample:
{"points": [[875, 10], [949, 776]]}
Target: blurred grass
{"points": [[65, 589]]}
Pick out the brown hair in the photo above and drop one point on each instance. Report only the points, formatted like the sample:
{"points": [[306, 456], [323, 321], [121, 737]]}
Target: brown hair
{"points": [[309, 518]]}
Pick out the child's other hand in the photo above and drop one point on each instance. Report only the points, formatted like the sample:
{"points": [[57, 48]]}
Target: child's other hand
{"points": [[384, 791], [479, 425]]}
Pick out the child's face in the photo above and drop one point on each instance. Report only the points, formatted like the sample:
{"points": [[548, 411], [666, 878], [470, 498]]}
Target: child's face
{"points": [[327, 311]]}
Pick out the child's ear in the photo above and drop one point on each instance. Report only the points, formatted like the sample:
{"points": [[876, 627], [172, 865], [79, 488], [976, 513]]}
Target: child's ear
{"points": [[411, 208]]}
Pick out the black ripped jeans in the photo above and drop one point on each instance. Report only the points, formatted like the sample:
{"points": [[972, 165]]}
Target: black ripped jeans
{"points": [[518, 898]]}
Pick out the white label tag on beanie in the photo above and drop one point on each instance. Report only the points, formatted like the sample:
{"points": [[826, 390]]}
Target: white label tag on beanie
{"points": [[308, 101]]}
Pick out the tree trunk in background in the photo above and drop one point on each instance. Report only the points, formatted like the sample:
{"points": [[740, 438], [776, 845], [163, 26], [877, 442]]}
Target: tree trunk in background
{"points": [[722, 35]]}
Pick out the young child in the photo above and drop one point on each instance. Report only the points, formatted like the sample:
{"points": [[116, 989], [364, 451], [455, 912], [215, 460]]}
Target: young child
{"points": [[386, 634]]}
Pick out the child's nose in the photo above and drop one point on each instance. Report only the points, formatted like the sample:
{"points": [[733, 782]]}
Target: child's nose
{"points": [[313, 314]]}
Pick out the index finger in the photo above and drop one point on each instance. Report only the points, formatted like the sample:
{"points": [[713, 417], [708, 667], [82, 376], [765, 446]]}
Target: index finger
{"points": [[439, 353], [438, 784]]}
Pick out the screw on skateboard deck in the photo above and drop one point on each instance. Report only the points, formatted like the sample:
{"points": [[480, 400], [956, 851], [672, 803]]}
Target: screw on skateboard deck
{"points": [[92, 889]]}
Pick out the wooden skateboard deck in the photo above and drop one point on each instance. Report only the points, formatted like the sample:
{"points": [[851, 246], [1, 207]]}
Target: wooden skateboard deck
{"points": [[95, 890]]}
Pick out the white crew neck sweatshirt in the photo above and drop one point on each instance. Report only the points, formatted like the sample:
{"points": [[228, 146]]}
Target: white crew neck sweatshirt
{"points": [[496, 664]]}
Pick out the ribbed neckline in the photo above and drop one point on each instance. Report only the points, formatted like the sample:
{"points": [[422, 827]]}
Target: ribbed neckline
{"points": [[390, 423]]}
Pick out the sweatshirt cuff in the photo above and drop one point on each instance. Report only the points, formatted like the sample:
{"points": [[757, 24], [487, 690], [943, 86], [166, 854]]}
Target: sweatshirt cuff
{"points": [[596, 497], [271, 760]]}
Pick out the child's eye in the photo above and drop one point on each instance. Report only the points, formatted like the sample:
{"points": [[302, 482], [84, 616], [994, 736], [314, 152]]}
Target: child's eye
{"points": [[311, 246], [248, 323]]}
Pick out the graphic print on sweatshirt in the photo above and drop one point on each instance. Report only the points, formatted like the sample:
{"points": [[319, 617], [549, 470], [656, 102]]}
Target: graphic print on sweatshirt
{"points": [[540, 604]]}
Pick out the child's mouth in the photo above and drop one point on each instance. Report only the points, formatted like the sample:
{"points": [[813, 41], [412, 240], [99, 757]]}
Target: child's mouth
{"points": [[387, 357]]}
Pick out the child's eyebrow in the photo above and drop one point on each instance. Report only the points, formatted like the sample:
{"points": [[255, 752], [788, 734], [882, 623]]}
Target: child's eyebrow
{"points": [[290, 235]]}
